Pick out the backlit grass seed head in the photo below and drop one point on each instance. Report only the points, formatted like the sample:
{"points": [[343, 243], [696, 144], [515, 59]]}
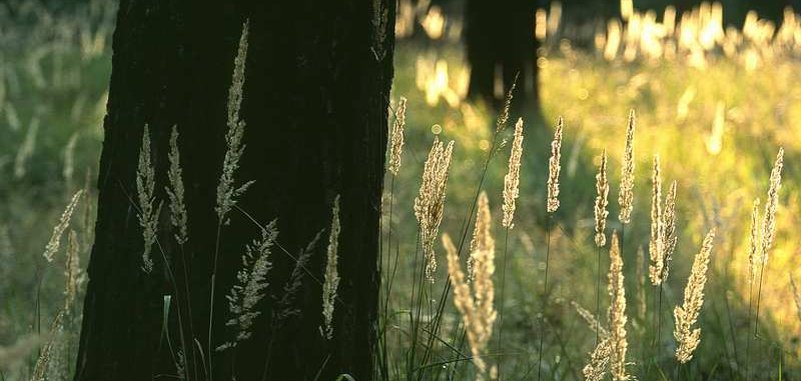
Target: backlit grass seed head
{"points": [[72, 272], [249, 288], [430, 202], [769, 219], [554, 167], [591, 319], [476, 305], [227, 193], [503, 117], [511, 182], [753, 253], [687, 338], [596, 369], [626, 196], [396, 138], [656, 245], [175, 191], [483, 287], [145, 191], [669, 236], [640, 273], [601, 202], [617, 313], [55, 238], [46, 353], [331, 282], [285, 307], [482, 240]]}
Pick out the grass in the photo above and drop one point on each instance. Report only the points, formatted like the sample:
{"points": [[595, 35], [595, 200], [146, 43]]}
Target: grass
{"points": [[716, 128]]}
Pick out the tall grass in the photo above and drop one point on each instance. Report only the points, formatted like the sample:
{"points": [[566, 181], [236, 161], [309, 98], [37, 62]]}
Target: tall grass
{"points": [[443, 330]]}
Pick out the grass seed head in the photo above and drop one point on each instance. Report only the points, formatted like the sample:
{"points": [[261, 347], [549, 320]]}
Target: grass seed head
{"points": [[686, 315], [396, 138], [626, 196], [601, 202], [511, 182], [430, 202], [554, 167]]}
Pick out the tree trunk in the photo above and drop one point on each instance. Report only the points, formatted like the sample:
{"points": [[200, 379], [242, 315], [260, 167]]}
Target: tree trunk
{"points": [[317, 82], [500, 44]]}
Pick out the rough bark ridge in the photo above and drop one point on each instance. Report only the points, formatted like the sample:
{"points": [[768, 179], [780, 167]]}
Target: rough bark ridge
{"points": [[500, 36], [318, 76]]}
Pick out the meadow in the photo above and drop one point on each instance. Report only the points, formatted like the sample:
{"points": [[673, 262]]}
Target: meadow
{"points": [[716, 104]]}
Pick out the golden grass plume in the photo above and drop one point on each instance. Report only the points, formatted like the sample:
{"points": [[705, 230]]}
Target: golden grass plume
{"points": [[511, 182], [554, 167], [687, 338], [474, 305], [601, 202], [430, 202], [617, 314], [482, 240], [396, 138], [626, 195]]}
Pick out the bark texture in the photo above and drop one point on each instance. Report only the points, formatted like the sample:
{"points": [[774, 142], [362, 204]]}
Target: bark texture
{"points": [[318, 77]]}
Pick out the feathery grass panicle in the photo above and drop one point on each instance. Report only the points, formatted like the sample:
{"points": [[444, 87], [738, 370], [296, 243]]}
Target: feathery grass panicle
{"points": [[596, 369], [72, 272], [55, 238], [769, 219], [796, 296], [626, 196], [601, 202], [331, 282], [640, 273], [145, 191], [227, 193], [476, 305], [554, 167], [669, 236], [503, 117], [482, 240], [250, 286], [617, 313], [687, 338], [655, 245], [511, 182], [175, 191], [284, 308], [753, 253], [429, 205], [483, 287], [396, 138], [591, 319], [46, 353]]}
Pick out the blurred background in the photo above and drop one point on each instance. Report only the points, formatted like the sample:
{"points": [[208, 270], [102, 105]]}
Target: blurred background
{"points": [[714, 86]]}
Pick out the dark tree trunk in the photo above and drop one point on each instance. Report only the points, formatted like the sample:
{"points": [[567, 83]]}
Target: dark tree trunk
{"points": [[318, 77], [500, 43]]}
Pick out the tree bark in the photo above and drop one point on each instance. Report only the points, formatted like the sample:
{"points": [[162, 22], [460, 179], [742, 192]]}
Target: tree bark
{"points": [[500, 43], [318, 76]]}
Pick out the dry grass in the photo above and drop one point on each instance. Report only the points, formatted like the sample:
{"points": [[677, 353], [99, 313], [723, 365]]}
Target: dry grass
{"points": [[715, 113]]}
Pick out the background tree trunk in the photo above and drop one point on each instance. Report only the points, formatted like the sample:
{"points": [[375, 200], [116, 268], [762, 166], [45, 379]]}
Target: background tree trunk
{"points": [[500, 42], [318, 77]]}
